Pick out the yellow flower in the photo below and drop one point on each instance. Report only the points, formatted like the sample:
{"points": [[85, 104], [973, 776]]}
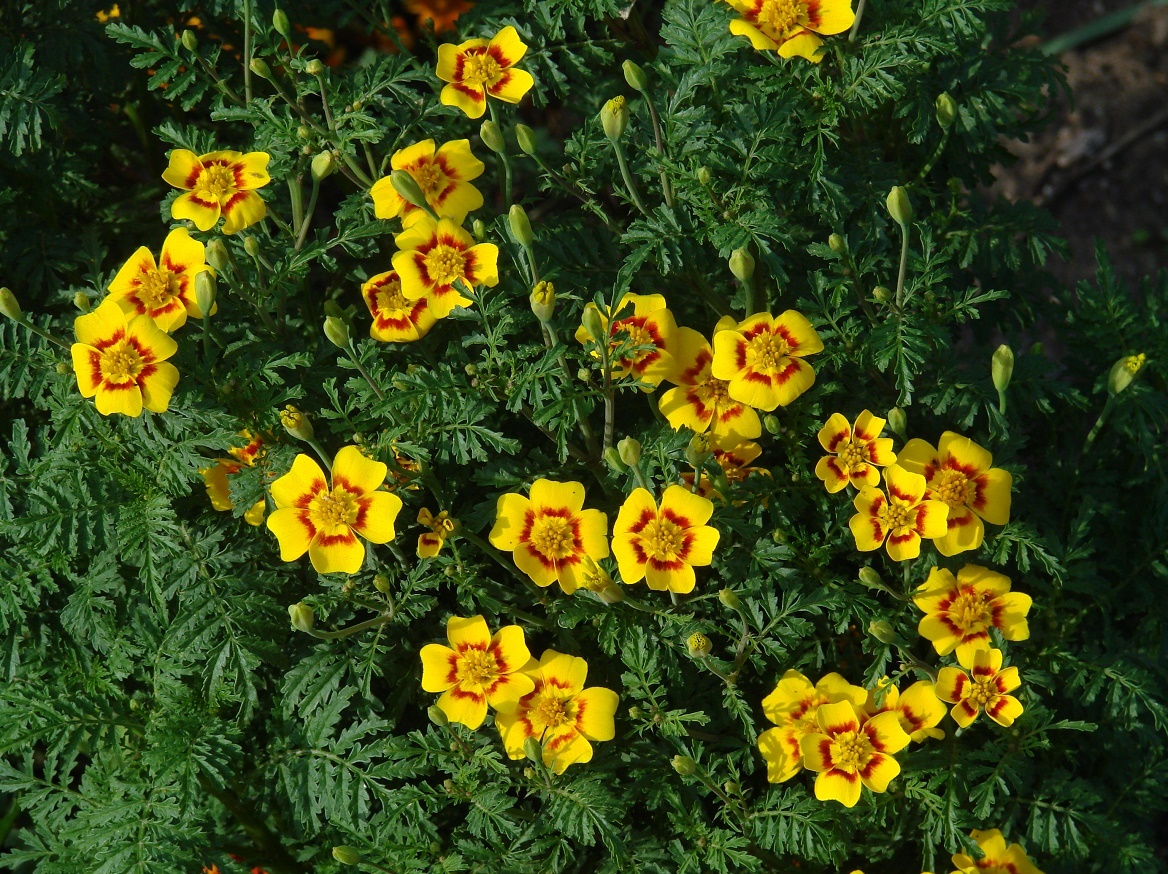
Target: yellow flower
{"points": [[793, 706], [701, 402], [986, 687], [479, 67], [218, 184], [165, 290], [550, 535], [662, 546], [735, 464], [395, 319], [444, 177], [997, 857], [441, 527], [918, 708], [324, 522], [856, 452], [650, 330], [121, 361], [903, 516], [961, 473], [762, 359], [790, 27], [961, 610], [215, 478], [559, 713], [477, 669], [849, 750], [436, 255]]}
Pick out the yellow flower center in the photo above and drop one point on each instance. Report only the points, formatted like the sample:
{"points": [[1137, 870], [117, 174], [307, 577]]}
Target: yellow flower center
{"points": [[777, 18], [390, 297], [952, 487], [215, 183], [972, 611], [896, 515], [766, 352], [333, 512], [430, 178], [444, 264], [121, 363], [553, 537], [157, 288], [663, 539], [481, 69], [552, 711], [853, 453], [715, 392], [982, 691], [477, 667], [850, 750]]}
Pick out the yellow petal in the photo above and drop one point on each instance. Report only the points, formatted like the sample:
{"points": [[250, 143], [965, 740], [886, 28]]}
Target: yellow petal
{"points": [[833, 476], [512, 86], [837, 785], [963, 454], [158, 387], [832, 16], [834, 432], [546, 493], [510, 520], [965, 531], [775, 750], [378, 512], [336, 553], [99, 327], [903, 544], [905, 486], [510, 649], [87, 366], [595, 713], [1004, 709], [918, 456], [687, 509], [184, 168], [804, 45], [879, 771], [680, 579], [470, 631], [356, 473], [993, 496], [472, 101], [506, 47], [800, 336], [299, 485], [482, 265], [251, 171], [189, 206], [142, 261], [439, 667], [565, 672], [292, 530], [464, 706], [952, 685], [124, 399], [243, 209], [757, 38]]}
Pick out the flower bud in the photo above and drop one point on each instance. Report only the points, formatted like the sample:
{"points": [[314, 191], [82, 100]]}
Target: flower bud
{"points": [[296, 423], [381, 583], [280, 22], [635, 76], [882, 294], [314, 67], [82, 302], [611, 593], [593, 323], [730, 599], [471, 369], [205, 288], [881, 630], [614, 117], [837, 244], [526, 139], [492, 137], [779, 536], [704, 175], [533, 749], [333, 309], [1002, 367], [337, 332], [698, 645], [613, 459], [899, 206], [684, 765], [520, 225], [771, 422], [302, 616], [629, 449], [64, 367], [217, 255], [479, 230], [407, 186], [189, 40], [346, 855], [437, 715], [322, 166], [260, 67], [543, 300], [252, 246], [898, 421], [635, 712], [9, 305], [697, 449], [742, 265], [946, 110], [870, 578], [1124, 371]]}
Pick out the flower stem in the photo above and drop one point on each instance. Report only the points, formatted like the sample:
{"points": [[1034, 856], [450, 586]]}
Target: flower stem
{"points": [[502, 562], [856, 24], [306, 221], [666, 188], [504, 161], [375, 622], [319, 450], [247, 52], [41, 332], [628, 177], [904, 235], [352, 350]]}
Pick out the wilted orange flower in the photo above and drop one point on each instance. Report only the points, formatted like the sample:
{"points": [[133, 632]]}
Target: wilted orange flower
{"points": [[762, 359], [435, 256], [218, 184], [650, 327], [215, 478], [856, 452], [791, 27], [701, 402], [165, 290], [395, 319], [902, 517], [441, 14], [662, 546], [444, 177], [479, 67]]}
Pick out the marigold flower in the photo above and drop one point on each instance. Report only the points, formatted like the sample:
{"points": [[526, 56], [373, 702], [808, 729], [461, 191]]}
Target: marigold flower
{"points": [[215, 478], [559, 713], [443, 176], [165, 290], [856, 452], [324, 522], [762, 359], [902, 517], [395, 319], [441, 14], [479, 67], [218, 184], [549, 534], [960, 473], [436, 255], [701, 402], [477, 669], [793, 706], [918, 708], [650, 328], [960, 611], [997, 859], [849, 750], [120, 360], [735, 464], [662, 546], [441, 527], [985, 687], [791, 27]]}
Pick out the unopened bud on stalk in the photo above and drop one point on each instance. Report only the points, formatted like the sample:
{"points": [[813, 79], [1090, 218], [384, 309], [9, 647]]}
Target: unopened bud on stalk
{"points": [[260, 67], [9, 305], [407, 186], [296, 423], [217, 255], [593, 323], [771, 422], [870, 578], [437, 715], [252, 246], [882, 294], [543, 300], [479, 230], [1002, 367], [881, 630], [613, 459], [899, 206], [837, 244], [322, 166], [730, 599], [1124, 371], [302, 616], [611, 593], [82, 302], [381, 583], [614, 117], [533, 749], [630, 451], [525, 136], [635, 76], [520, 225], [698, 645], [280, 22], [704, 175], [346, 855], [898, 421], [946, 109], [337, 332], [189, 40], [492, 137], [314, 67], [205, 288], [742, 265], [684, 765], [697, 449]]}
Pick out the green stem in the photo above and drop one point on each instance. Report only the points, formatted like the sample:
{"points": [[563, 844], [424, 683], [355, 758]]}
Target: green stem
{"points": [[319, 450], [296, 193], [904, 235], [375, 622], [41, 332], [493, 553], [504, 161], [207, 348], [925, 170], [1097, 427], [628, 177], [666, 188], [365, 373], [306, 222], [856, 24], [247, 47]]}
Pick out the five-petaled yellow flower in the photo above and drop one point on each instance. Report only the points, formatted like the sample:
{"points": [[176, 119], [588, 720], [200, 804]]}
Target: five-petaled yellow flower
{"points": [[735, 464], [444, 177], [961, 473], [647, 336], [218, 184], [435, 256], [902, 517], [702, 402], [662, 546], [163, 290], [550, 534], [997, 859], [324, 521], [477, 669], [986, 687], [479, 67], [918, 708], [395, 319], [762, 359], [856, 452], [793, 707], [215, 478], [961, 610], [441, 527], [559, 713], [120, 361], [791, 27], [849, 750]]}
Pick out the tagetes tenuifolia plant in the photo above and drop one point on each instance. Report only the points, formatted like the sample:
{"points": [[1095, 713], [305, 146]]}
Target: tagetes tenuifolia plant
{"points": [[164, 289], [218, 184], [479, 68], [996, 856], [701, 402], [856, 451], [663, 544], [793, 707], [898, 517], [436, 259], [215, 477], [984, 686], [791, 27], [762, 359], [396, 319], [849, 751], [642, 341], [960, 610], [444, 176]]}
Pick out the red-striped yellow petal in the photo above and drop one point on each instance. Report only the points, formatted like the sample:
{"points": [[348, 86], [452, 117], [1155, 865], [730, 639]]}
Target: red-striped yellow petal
{"points": [[142, 261], [125, 399], [243, 209], [962, 453], [803, 45], [907, 487], [565, 746], [879, 771], [251, 171], [192, 207], [472, 101], [184, 168], [356, 473], [836, 785], [1004, 709], [566, 673], [341, 553], [757, 38], [774, 746], [375, 521], [596, 712], [293, 532], [992, 501], [904, 544], [918, 456], [158, 386], [964, 712], [510, 518], [464, 706], [439, 667], [506, 47], [298, 486], [833, 476], [468, 631], [965, 531], [679, 577], [512, 86], [830, 16], [952, 685], [834, 432]]}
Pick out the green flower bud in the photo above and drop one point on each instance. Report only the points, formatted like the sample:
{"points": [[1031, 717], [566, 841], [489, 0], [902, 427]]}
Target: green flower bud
{"points": [[543, 300], [356, 106], [635, 76], [217, 255], [613, 459], [337, 332], [882, 294], [730, 599], [280, 22], [381, 583], [779, 536], [314, 67], [870, 578], [584, 374], [881, 630], [82, 302], [322, 166], [526, 139], [205, 288], [946, 109], [898, 421], [899, 206], [302, 616], [630, 451], [471, 369], [697, 450], [520, 225], [593, 323], [333, 309], [346, 855], [437, 715], [492, 137], [479, 230], [635, 712], [533, 749], [698, 645], [1124, 371], [296, 423], [684, 765], [741, 265], [611, 593], [1002, 367], [771, 422], [407, 186], [260, 67], [9, 305], [704, 175], [189, 40], [837, 244], [303, 132], [614, 117], [251, 245], [64, 367]]}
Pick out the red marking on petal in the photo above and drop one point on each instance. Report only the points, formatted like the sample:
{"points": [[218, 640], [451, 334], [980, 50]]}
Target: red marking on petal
{"points": [[825, 752]]}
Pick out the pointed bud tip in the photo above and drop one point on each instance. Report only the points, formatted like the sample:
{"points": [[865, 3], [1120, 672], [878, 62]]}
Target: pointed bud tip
{"points": [[9, 306], [520, 225], [899, 206]]}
